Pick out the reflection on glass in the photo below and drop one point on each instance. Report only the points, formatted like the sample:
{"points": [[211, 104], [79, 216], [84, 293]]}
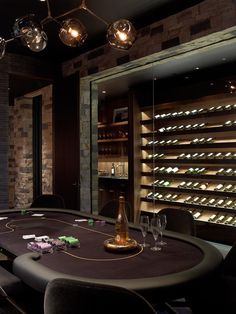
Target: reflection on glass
{"points": [[2, 47], [156, 230], [144, 227]]}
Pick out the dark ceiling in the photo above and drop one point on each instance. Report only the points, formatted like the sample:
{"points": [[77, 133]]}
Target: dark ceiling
{"points": [[139, 12]]}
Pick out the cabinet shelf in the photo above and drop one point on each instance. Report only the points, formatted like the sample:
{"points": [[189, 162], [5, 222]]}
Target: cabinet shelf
{"points": [[184, 147], [192, 131], [112, 125], [177, 161], [189, 117], [123, 139], [178, 176], [190, 191], [190, 205]]}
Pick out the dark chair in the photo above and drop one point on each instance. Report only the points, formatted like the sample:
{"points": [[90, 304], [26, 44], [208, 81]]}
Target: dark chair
{"points": [[227, 284], [110, 209], [179, 220], [48, 201], [10, 289], [68, 296], [218, 296]]}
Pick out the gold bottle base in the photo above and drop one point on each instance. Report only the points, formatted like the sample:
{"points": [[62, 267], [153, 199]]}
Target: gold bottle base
{"points": [[111, 245]]}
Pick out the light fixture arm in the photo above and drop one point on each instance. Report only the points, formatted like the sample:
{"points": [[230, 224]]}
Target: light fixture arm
{"points": [[49, 16], [82, 6]]}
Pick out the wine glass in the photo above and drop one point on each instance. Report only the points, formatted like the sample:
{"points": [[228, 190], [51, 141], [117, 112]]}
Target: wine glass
{"points": [[163, 222], [144, 226], [155, 229]]}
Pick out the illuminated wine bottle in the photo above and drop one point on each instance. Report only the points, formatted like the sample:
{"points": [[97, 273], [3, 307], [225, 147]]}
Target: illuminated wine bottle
{"points": [[121, 225], [197, 215], [229, 220], [212, 218], [220, 219]]}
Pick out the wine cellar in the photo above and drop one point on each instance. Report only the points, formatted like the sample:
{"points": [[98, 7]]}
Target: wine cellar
{"points": [[188, 160]]}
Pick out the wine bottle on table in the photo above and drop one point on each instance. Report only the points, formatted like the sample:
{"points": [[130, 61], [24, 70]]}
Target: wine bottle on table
{"points": [[121, 225]]}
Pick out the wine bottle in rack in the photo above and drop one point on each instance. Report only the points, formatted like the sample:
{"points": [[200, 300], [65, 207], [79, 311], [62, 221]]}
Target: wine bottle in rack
{"points": [[203, 200], [182, 184], [220, 202], [221, 219], [229, 220], [203, 186], [188, 199], [212, 202], [228, 203], [219, 187], [228, 188], [212, 218], [197, 215]]}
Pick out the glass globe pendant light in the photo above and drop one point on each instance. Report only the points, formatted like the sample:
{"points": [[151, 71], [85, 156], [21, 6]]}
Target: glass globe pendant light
{"points": [[73, 33], [121, 34], [30, 33]]}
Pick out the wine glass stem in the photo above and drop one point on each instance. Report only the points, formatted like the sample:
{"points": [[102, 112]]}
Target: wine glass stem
{"points": [[156, 242], [144, 241]]}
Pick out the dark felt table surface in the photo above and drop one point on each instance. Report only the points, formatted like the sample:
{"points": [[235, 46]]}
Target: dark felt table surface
{"points": [[171, 272], [91, 259]]}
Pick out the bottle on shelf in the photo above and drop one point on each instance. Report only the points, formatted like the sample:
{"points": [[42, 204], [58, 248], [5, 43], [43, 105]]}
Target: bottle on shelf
{"points": [[113, 170], [197, 215], [229, 220], [212, 218], [220, 219]]}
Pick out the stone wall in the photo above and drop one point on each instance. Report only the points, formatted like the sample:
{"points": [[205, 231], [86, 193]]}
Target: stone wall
{"points": [[4, 144], [208, 17], [20, 152]]}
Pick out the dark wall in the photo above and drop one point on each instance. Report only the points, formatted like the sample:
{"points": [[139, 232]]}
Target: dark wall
{"points": [[66, 139]]}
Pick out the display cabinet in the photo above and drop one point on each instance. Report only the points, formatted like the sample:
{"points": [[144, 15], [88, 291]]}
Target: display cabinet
{"points": [[113, 151], [188, 158]]}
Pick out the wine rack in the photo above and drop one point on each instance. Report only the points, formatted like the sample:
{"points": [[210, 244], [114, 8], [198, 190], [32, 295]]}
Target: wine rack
{"points": [[112, 161], [188, 158]]}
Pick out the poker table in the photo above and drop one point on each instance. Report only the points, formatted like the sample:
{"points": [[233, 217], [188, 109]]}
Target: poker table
{"points": [[179, 268]]}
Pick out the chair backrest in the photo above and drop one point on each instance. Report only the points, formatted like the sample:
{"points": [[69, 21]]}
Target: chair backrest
{"points": [[179, 220], [229, 263], [110, 209], [68, 296], [223, 293], [48, 201]]}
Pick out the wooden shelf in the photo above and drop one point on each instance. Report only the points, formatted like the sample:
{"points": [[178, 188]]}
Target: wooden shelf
{"points": [[190, 191], [203, 162], [190, 205], [193, 131], [112, 125], [122, 139], [185, 147], [189, 117]]}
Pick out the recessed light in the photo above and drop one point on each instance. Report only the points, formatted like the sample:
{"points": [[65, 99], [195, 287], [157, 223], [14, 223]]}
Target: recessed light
{"points": [[104, 92], [197, 68]]}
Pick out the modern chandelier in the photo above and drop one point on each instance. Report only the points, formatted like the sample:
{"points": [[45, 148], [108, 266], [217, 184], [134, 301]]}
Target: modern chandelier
{"points": [[121, 34]]}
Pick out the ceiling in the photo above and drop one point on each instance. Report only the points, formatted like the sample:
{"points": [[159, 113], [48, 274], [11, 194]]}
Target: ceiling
{"points": [[139, 12], [203, 64]]}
